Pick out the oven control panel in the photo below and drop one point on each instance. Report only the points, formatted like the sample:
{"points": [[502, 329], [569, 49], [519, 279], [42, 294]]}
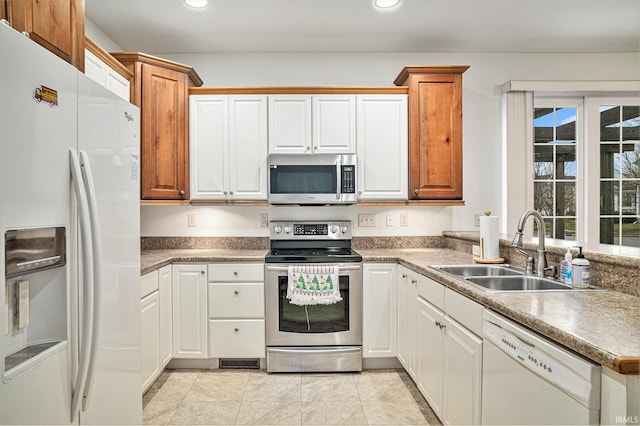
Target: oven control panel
{"points": [[305, 230]]}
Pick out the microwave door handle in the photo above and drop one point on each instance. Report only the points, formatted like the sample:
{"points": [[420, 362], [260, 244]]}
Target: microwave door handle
{"points": [[338, 179]]}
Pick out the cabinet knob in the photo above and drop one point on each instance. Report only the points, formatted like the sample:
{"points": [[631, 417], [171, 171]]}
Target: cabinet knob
{"points": [[225, 193], [182, 192], [202, 272], [236, 329], [308, 148], [236, 292], [404, 275], [414, 281], [235, 273], [416, 191], [230, 192]]}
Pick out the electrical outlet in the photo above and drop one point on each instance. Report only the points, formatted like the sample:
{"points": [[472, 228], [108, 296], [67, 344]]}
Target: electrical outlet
{"points": [[264, 220], [476, 219], [367, 219], [404, 219], [191, 220], [391, 221], [475, 250]]}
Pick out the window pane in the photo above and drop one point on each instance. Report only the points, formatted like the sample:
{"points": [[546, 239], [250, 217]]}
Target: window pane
{"points": [[565, 229], [566, 125], [631, 232], [609, 230], [609, 197], [566, 162], [543, 197], [630, 123], [565, 199], [543, 125], [609, 161], [630, 161], [631, 198], [543, 163], [609, 123]]}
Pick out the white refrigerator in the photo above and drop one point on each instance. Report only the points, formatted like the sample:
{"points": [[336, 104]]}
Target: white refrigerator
{"points": [[70, 261]]}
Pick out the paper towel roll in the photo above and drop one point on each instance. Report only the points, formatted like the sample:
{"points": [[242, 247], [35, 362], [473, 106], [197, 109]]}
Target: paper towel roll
{"points": [[489, 240]]}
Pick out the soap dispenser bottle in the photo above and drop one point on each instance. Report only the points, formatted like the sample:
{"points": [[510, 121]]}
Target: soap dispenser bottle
{"points": [[565, 268], [580, 270]]}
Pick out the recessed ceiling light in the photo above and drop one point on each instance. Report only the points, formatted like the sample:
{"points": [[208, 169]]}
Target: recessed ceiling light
{"points": [[198, 4], [386, 4]]}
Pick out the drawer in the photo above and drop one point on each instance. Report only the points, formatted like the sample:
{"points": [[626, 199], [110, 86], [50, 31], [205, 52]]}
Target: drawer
{"points": [[464, 310], [236, 339], [149, 283], [236, 300], [236, 272], [431, 291]]}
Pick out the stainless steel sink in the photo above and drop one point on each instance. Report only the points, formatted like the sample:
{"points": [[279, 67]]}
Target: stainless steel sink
{"points": [[522, 283], [478, 270]]}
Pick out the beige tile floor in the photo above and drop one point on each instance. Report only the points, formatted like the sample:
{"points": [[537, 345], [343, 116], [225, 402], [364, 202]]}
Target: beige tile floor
{"points": [[253, 397]]}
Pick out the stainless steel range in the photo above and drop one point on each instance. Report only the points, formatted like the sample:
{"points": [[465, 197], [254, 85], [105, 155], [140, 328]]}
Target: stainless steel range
{"points": [[314, 337]]}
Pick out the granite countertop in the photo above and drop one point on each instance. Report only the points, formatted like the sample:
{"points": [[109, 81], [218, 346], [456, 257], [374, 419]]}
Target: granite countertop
{"points": [[603, 326], [151, 260]]}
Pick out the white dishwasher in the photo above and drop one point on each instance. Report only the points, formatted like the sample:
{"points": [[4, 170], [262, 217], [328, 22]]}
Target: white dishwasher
{"points": [[527, 379]]}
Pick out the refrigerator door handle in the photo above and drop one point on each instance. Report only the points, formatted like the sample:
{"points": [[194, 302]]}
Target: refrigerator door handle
{"points": [[87, 283], [96, 241]]}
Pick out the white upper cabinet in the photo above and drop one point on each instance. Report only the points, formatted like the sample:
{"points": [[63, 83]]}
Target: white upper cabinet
{"points": [[228, 147], [382, 142], [312, 124], [334, 124], [99, 71]]}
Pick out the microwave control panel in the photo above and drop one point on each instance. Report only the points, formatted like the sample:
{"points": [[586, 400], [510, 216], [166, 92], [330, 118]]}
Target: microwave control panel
{"points": [[348, 179]]}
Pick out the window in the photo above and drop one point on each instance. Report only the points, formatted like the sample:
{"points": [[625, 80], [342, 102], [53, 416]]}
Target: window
{"points": [[586, 178], [619, 142], [555, 136]]}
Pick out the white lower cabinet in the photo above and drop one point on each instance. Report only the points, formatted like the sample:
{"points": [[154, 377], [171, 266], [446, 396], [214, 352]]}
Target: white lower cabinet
{"points": [[190, 311], [236, 310], [150, 339], [155, 329], [440, 346], [379, 308], [407, 319]]}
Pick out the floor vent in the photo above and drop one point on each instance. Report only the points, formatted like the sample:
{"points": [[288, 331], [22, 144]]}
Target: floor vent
{"points": [[239, 363]]}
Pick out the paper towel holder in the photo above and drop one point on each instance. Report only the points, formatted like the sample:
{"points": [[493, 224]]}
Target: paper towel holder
{"points": [[487, 261]]}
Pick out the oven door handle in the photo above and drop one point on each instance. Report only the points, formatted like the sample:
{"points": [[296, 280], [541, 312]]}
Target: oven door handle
{"points": [[322, 350], [340, 268]]}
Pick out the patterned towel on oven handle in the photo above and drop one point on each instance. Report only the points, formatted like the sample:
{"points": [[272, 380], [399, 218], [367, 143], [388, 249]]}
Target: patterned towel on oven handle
{"points": [[313, 284]]}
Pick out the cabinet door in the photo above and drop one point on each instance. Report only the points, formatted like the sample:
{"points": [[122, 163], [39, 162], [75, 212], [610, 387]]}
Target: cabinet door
{"points": [[96, 69], [56, 25], [379, 307], [248, 147], [208, 134], [334, 124], [289, 124], [435, 151], [150, 362], [166, 315], [463, 372], [430, 379], [117, 83], [412, 324], [403, 317], [382, 147], [189, 311], [164, 134]]}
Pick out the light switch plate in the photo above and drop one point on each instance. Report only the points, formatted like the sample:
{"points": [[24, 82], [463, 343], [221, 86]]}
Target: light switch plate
{"points": [[367, 219], [404, 219], [191, 220], [23, 303], [264, 220]]}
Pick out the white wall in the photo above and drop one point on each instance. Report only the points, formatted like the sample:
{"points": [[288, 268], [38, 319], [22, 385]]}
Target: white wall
{"points": [[481, 125]]}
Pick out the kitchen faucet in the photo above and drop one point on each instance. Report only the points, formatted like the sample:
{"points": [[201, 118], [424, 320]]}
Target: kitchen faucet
{"points": [[541, 269]]}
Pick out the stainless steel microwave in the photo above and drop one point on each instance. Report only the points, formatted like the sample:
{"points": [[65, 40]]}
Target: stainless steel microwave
{"points": [[312, 179]]}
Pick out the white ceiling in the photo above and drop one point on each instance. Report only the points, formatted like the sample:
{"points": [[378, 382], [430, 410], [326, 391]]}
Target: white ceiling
{"points": [[168, 26]]}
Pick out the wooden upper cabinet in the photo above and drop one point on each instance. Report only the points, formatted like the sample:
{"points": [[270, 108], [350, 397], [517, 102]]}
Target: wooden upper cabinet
{"points": [[57, 25], [435, 131], [161, 89]]}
